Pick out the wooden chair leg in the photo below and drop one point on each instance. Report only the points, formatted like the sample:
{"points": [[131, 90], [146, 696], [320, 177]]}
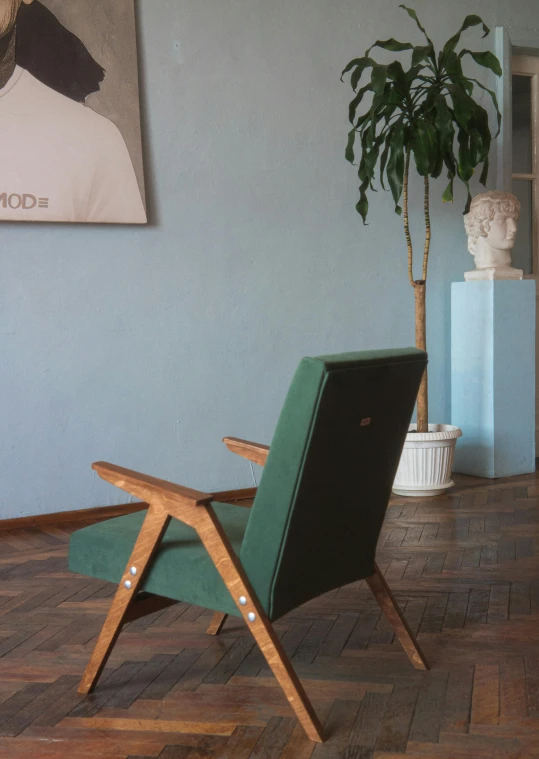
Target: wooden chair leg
{"points": [[227, 563], [390, 607], [151, 532], [280, 665], [216, 624]]}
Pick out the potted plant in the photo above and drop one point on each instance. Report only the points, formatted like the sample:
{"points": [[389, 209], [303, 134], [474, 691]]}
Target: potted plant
{"points": [[427, 111]]}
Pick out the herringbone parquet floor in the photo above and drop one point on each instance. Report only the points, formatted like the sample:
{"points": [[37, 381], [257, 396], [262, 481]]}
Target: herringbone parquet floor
{"points": [[465, 568]]}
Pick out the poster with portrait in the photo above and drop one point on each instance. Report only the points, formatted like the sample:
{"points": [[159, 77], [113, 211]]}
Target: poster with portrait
{"points": [[70, 141]]}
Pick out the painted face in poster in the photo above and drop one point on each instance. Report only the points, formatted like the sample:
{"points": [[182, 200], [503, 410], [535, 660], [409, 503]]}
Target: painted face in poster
{"points": [[69, 126]]}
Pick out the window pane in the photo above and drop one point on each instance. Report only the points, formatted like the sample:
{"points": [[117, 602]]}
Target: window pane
{"points": [[523, 250], [522, 113]]}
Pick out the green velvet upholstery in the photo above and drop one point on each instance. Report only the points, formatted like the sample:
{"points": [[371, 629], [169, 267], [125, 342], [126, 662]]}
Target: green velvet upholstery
{"points": [[321, 501], [325, 487], [182, 568]]}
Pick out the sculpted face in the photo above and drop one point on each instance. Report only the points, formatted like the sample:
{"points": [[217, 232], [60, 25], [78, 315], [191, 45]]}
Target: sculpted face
{"points": [[502, 232], [491, 226], [8, 14]]}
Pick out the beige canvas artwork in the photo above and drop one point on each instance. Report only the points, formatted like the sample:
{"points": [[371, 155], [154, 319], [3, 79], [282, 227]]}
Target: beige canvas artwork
{"points": [[70, 147]]}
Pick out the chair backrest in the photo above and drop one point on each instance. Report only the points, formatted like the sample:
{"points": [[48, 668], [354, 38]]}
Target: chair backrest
{"points": [[324, 490]]}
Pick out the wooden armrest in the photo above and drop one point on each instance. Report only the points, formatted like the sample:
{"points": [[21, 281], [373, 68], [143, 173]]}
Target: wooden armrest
{"points": [[236, 497], [253, 451], [147, 488]]}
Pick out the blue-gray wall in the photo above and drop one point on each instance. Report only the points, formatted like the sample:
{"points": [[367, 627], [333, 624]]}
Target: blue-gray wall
{"points": [[146, 346]]}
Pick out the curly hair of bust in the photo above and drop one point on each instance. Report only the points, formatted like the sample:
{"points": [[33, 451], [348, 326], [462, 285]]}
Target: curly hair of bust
{"points": [[483, 209]]}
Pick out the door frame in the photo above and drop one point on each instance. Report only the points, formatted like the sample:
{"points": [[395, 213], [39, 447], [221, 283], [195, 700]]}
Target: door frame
{"points": [[508, 42], [528, 65], [511, 43]]}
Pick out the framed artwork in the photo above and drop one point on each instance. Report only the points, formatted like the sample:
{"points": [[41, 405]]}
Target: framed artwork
{"points": [[70, 141]]}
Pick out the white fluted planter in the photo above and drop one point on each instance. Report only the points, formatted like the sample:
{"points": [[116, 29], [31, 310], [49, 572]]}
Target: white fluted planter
{"points": [[427, 461]]}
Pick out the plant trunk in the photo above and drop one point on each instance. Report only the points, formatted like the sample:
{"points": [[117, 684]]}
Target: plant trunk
{"points": [[421, 343], [420, 287], [421, 319]]}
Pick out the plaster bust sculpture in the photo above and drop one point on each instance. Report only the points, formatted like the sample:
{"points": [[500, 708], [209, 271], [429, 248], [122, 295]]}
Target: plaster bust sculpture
{"points": [[491, 226]]}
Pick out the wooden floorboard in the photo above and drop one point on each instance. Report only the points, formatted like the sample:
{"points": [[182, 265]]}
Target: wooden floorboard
{"points": [[464, 568]]}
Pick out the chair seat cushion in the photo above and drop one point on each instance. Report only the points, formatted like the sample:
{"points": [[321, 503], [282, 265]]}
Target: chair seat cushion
{"points": [[181, 568]]}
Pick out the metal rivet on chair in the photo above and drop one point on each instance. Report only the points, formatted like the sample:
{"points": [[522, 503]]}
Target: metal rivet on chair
{"points": [[243, 601], [127, 584], [133, 571], [251, 616]]}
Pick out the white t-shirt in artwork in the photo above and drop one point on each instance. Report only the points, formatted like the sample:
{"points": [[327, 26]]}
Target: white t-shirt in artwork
{"points": [[60, 160]]}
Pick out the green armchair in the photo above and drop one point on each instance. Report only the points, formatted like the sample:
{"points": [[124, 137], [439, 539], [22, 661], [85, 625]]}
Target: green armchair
{"points": [[313, 526]]}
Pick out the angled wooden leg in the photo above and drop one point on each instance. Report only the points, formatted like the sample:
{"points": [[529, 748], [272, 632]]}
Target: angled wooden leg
{"points": [[150, 534], [229, 567], [216, 624], [280, 665], [390, 607]]}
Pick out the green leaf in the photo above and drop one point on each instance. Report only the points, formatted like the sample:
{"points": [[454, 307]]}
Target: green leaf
{"points": [[413, 14], [378, 85], [353, 63], [453, 68], [384, 156], [463, 105], [388, 112], [483, 133], [362, 120], [424, 146], [450, 162], [475, 147], [494, 101], [352, 108], [396, 74], [438, 165], [486, 59], [392, 45], [447, 196], [378, 79], [369, 158], [468, 199], [453, 41], [422, 52], [443, 121], [376, 117], [484, 174], [407, 134], [362, 206], [359, 65], [358, 73], [367, 134], [465, 166], [412, 74], [395, 164], [349, 152]]}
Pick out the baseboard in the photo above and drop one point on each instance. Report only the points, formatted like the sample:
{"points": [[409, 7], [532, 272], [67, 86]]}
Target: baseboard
{"points": [[106, 512]]}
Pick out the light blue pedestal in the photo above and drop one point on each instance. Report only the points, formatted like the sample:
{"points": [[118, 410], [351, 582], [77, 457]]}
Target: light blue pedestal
{"points": [[493, 376]]}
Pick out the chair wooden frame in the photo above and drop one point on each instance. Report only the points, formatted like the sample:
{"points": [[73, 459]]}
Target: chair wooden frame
{"points": [[192, 507]]}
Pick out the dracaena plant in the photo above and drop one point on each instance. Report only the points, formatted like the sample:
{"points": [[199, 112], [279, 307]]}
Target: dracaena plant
{"points": [[427, 111]]}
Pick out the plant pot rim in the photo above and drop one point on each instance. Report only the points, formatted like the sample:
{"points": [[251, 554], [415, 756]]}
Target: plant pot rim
{"points": [[436, 432]]}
